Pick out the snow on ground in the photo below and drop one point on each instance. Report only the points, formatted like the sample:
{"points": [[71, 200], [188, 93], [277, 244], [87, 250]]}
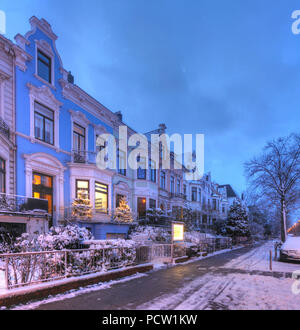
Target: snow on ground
{"points": [[160, 263], [259, 259], [225, 289], [2, 281], [234, 292]]}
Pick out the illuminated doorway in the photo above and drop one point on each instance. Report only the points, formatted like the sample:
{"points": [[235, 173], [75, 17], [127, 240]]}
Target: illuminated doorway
{"points": [[42, 187]]}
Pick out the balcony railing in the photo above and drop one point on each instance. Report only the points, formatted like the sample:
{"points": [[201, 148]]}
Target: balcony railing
{"points": [[178, 195], [4, 129], [94, 215], [22, 205], [84, 157]]}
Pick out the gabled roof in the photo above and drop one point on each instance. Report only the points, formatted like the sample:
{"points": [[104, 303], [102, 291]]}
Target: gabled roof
{"points": [[229, 191]]}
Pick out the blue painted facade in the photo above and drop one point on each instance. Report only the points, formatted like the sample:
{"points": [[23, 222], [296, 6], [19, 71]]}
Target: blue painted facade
{"points": [[56, 160], [105, 231]]}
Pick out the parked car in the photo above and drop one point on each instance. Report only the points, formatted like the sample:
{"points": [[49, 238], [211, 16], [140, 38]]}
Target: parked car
{"points": [[290, 250]]}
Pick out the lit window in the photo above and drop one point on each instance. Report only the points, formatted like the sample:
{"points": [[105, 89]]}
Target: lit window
{"points": [[82, 186], [101, 197]]}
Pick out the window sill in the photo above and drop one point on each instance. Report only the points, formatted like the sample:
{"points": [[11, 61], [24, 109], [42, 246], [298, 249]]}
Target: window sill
{"points": [[122, 174], [44, 82], [34, 140]]}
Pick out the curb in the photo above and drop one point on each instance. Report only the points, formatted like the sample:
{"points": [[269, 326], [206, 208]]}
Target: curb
{"points": [[24, 295]]}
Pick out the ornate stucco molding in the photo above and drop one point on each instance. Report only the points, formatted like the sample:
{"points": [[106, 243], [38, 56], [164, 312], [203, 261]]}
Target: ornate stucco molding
{"points": [[44, 96]]}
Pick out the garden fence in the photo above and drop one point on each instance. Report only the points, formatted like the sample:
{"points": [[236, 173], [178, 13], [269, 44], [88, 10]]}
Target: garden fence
{"points": [[21, 269], [29, 268]]}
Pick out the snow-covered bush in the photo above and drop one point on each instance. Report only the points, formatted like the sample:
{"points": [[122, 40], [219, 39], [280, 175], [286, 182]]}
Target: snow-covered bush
{"points": [[118, 252], [148, 234], [155, 215], [58, 238], [194, 237], [6, 241]]}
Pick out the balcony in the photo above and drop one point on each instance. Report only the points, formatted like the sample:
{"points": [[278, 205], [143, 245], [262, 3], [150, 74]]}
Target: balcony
{"points": [[4, 129], [20, 205], [94, 215], [178, 195], [84, 157]]}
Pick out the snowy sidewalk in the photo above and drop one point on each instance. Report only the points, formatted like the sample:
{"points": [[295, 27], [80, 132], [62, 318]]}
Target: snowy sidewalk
{"points": [[259, 258], [235, 286]]}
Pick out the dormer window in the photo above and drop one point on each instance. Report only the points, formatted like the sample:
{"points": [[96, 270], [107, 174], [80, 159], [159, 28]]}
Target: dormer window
{"points": [[44, 66]]}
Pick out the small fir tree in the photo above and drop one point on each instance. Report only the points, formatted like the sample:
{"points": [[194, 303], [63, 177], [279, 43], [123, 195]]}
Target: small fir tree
{"points": [[237, 224], [123, 212], [81, 206]]}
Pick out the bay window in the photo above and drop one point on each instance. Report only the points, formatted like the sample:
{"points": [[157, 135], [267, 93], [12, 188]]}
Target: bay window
{"points": [[82, 188], [101, 197]]}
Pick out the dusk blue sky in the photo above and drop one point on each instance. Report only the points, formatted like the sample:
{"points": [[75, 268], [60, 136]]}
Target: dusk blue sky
{"points": [[228, 69]]}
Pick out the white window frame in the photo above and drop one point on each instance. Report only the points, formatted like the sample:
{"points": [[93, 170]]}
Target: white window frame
{"points": [[79, 118], [44, 96], [45, 48]]}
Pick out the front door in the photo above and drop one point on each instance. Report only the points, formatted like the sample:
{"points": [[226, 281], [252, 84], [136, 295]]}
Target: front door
{"points": [[42, 187], [141, 201]]}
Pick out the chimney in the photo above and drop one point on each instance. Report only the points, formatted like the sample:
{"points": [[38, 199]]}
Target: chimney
{"points": [[162, 128], [119, 115], [70, 78]]}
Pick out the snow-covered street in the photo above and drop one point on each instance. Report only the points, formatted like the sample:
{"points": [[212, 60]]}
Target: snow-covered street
{"points": [[239, 279]]}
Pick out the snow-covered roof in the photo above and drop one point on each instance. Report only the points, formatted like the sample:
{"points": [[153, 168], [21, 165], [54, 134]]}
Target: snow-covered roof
{"points": [[292, 243]]}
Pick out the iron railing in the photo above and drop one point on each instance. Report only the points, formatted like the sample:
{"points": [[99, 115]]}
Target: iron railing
{"points": [[20, 204], [84, 157], [95, 215], [178, 195], [4, 129], [29, 268]]}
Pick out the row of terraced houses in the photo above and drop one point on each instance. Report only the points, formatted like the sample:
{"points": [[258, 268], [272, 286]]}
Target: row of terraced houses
{"points": [[48, 132]]}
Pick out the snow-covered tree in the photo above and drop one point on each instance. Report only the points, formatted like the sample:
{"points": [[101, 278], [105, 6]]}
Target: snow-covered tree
{"points": [[275, 174], [81, 206], [123, 213], [237, 224]]}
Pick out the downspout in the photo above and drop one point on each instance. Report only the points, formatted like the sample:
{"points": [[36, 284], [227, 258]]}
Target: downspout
{"points": [[14, 122]]}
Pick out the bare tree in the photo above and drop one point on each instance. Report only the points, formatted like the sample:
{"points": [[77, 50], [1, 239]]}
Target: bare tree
{"points": [[275, 174]]}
